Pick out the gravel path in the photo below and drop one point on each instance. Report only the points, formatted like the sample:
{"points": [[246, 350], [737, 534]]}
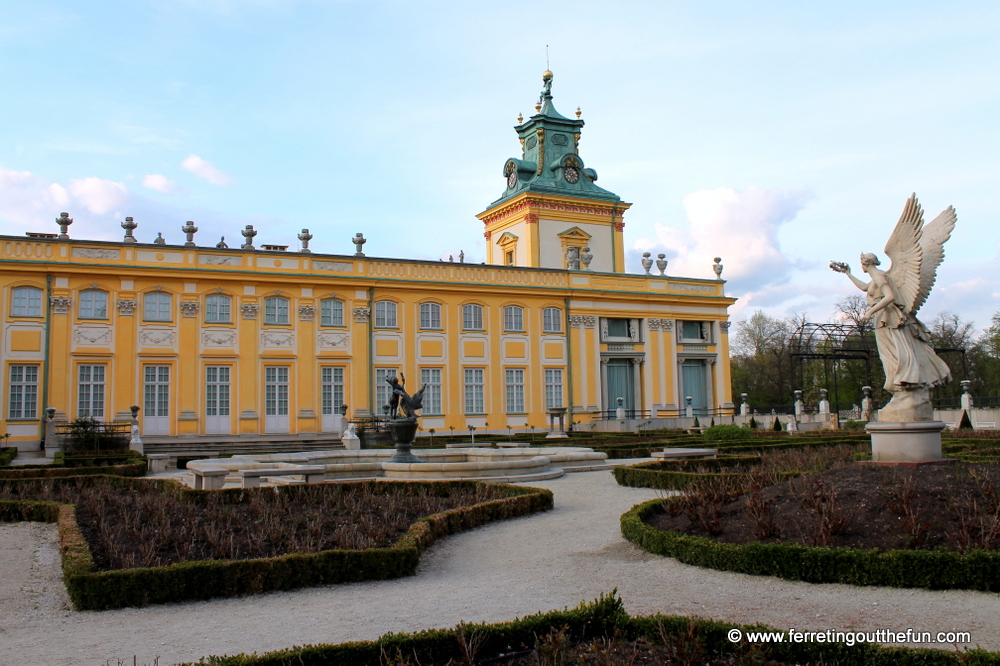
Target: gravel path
{"points": [[494, 573]]}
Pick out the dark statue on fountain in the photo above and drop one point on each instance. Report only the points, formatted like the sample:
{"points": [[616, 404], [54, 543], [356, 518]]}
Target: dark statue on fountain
{"points": [[403, 422]]}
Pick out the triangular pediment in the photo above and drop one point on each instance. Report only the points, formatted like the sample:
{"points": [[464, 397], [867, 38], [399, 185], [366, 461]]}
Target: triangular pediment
{"points": [[575, 233], [506, 238]]}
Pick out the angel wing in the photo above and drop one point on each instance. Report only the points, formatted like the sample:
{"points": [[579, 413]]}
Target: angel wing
{"points": [[905, 251], [932, 241]]}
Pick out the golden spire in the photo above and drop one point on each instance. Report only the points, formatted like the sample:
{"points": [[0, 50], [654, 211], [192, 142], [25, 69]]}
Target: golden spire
{"points": [[578, 113]]}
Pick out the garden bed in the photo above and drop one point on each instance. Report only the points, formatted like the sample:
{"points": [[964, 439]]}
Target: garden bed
{"points": [[935, 526], [142, 541]]}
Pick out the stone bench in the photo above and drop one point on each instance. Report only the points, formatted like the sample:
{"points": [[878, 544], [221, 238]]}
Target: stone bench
{"points": [[513, 445], [251, 477], [680, 454], [157, 462], [208, 477]]}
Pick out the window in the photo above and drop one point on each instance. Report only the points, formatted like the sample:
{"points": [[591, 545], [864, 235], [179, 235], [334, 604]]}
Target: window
{"points": [[331, 313], [332, 389], [474, 402], [218, 309], [23, 392], [431, 378], [93, 304], [385, 314], [26, 302], [275, 310], [508, 258], [90, 398], [217, 390], [430, 315], [472, 317], [382, 390], [552, 320], [513, 318], [276, 389], [692, 330], [156, 306], [156, 391], [617, 328], [553, 388], [515, 391]]}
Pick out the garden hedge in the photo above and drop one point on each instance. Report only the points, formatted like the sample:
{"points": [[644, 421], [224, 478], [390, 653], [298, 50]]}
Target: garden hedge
{"points": [[933, 569], [602, 618], [675, 474], [101, 590], [7, 453], [136, 468]]}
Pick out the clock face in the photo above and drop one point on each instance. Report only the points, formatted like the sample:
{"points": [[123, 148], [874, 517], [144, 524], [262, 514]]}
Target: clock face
{"points": [[572, 174], [511, 179]]}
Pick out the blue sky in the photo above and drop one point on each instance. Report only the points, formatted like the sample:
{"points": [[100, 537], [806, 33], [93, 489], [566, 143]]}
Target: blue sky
{"points": [[779, 135]]}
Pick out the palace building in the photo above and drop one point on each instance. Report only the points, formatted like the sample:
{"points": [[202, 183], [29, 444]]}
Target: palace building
{"points": [[265, 343]]}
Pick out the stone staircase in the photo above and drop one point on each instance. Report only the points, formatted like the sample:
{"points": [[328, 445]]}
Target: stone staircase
{"points": [[182, 447]]}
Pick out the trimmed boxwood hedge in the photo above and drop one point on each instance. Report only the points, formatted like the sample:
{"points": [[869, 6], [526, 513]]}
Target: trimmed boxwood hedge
{"points": [[602, 618], [102, 590], [135, 468], [7, 454], [674, 474], [933, 569]]}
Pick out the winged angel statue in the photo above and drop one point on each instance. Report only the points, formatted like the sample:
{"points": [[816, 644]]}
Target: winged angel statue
{"points": [[894, 297]]}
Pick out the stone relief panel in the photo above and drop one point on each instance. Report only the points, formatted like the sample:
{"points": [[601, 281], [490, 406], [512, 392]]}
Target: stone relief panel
{"points": [[684, 286], [361, 315], [220, 260], [306, 312], [92, 335], [96, 253], [157, 337], [277, 339], [327, 340], [60, 304], [189, 308], [339, 266], [249, 310], [582, 321], [218, 338], [126, 307]]}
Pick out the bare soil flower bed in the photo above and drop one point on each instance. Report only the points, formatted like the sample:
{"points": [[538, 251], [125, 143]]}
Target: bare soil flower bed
{"points": [[953, 506], [153, 525]]}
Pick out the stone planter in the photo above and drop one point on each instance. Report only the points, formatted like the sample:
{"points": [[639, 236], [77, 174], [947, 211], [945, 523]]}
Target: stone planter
{"points": [[403, 431]]}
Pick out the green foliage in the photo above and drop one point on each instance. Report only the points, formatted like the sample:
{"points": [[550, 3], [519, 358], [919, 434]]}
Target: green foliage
{"points": [[933, 569], [677, 474], [965, 423], [89, 434], [101, 590], [753, 423], [853, 426], [720, 433], [7, 454], [777, 425], [133, 465], [696, 424]]}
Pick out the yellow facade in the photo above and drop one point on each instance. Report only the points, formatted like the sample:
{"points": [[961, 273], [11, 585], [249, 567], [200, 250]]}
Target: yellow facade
{"points": [[180, 331]]}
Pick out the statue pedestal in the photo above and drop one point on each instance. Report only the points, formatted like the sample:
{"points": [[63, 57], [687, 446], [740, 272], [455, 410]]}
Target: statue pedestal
{"points": [[403, 432], [906, 442]]}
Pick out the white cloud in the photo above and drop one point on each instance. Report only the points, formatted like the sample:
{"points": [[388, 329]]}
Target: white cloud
{"points": [[205, 170], [160, 183], [98, 195]]}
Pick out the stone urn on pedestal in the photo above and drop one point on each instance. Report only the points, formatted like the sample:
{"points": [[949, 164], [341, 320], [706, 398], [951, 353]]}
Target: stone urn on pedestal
{"points": [[403, 407]]}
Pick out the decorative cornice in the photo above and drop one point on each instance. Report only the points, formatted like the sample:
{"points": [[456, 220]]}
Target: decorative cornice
{"points": [[619, 226], [544, 204], [531, 218]]}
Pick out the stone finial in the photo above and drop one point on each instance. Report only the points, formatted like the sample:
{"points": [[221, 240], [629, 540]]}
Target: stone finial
{"points": [[578, 112], [647, 263], [305, 237], [64, 220], [585, 258], [359, 240], [520, 118], [129, 226], [222, 245], [661, 263], [248, 235], [966, 386], [159, 240], [717, 267], [189, 230]]}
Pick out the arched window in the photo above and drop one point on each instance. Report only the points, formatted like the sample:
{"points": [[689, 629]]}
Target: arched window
{"points": [[26, 302], [331, 312], [513, 318], [218, 309], [430, 315], [93, 304], [275, 310], [156, 306], [472, 317], [552, 320], [385, 314]]}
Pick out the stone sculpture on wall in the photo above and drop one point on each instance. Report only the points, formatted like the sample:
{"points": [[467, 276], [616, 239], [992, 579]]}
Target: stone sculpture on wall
{"points": [[912, 368]]}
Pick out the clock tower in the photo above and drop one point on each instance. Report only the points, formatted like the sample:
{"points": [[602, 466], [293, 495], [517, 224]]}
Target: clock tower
{"points": [[552, 208]]}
